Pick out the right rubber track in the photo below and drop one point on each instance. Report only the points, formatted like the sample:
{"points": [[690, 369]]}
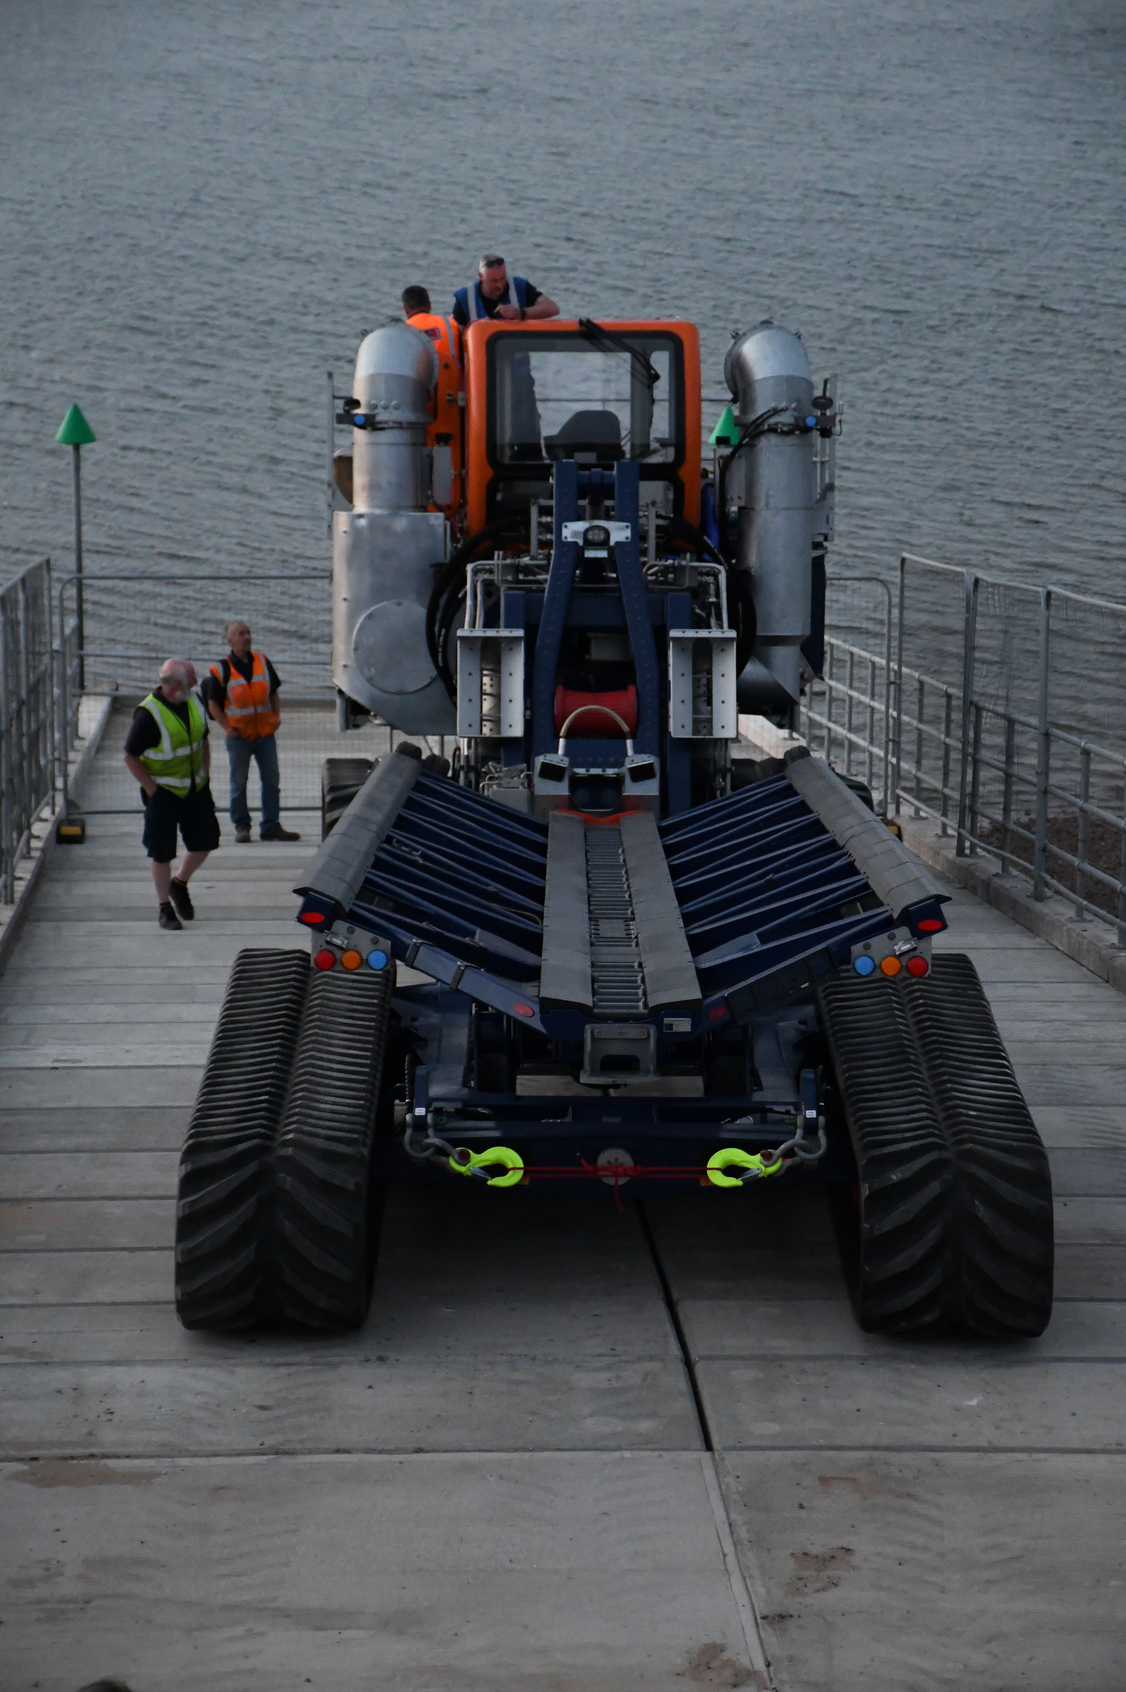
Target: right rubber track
{"points": [[955, 1196]]}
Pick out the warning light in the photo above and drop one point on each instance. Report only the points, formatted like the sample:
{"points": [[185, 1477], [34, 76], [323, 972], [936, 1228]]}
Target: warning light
{"points": [[313, 918], [929, 925], [324, 959], [351, 959], [377, 960], [522, 1010], [917, 966], [890, 966], [864, 966]]}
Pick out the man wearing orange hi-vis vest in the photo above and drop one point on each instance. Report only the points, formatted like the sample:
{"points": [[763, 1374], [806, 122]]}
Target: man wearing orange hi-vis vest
{"points": [[241, 693]]}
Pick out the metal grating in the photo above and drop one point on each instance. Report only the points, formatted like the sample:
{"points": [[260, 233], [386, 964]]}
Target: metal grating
{"points": [[617, 977]]}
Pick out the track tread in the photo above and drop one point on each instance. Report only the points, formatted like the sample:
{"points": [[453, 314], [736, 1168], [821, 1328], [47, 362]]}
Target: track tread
{"points": [[956, 1221], [221, 1267], [325, 1205]]}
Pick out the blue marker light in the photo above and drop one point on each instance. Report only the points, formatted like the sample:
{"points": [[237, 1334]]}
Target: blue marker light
{"points": [[359, 419], [811, 422], [377, 960], [864, 965]]}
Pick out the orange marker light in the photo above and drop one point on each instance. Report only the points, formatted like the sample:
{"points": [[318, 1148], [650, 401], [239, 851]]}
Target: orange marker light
{"points": [[890, 966], [351, 959]]}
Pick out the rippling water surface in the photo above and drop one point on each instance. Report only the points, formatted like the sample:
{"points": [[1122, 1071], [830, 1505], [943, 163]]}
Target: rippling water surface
{"points": [[205, 204]]}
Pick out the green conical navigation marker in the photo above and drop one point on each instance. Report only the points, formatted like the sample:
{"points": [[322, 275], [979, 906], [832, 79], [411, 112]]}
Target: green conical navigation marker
{"points": [[76, 432], [725, 433]]}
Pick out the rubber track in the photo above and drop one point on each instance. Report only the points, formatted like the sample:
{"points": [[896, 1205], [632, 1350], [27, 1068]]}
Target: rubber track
{"points": [[221, 1270], [325, 1210], [955, 1189]]}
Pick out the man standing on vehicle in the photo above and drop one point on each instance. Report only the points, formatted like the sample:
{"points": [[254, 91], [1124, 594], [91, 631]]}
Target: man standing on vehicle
{"points": [[443, 331], [492, 296], [168, 752], [241, 693]]}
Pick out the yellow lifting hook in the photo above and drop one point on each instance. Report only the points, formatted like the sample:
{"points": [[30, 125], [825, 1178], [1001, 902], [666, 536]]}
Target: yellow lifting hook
{"points": [[742, 1160], [512, 1161]]}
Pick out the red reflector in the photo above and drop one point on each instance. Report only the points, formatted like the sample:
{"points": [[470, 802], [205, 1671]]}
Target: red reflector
{"points": [[929, 925], [917, 966], [312, 917], [717, 1013], [324, 959], [523, 1010]]}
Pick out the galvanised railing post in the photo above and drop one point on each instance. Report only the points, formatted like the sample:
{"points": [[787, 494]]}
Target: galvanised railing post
{"points": [[1007, 797], [6, 893], [947, 748], [1122, 888], [898, 781], [887, 704], [975, 780], [969, 644], [1081, 843], [1043, 749], [920, 708]]}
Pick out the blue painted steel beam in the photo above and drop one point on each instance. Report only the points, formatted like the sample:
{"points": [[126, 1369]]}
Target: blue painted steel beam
{"points": [[635, 599], [553, 619]]}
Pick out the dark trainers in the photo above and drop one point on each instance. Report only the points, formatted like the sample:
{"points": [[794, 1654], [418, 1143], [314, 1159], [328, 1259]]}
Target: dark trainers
{"points": [[182, 900], [242, 833], [167, 917], [277, 832]]}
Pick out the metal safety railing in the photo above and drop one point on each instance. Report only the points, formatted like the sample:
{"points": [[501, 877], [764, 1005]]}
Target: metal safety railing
{"points": [[29, 719], [995, 708]]}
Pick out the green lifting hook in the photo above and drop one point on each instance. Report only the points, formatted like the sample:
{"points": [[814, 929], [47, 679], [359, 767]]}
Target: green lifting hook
{"points": [[751, 1161], [466, 1162]]}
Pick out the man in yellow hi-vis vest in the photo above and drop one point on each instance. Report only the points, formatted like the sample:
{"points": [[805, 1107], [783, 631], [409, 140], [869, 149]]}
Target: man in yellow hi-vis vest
{"points": [[167, 751]]}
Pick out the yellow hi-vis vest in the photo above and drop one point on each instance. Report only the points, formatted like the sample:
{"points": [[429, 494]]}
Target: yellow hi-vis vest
{"points": [[177, 763]]}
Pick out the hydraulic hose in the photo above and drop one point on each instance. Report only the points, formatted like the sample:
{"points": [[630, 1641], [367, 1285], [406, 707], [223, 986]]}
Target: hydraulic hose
{"points": [[738, 591], [442, 605]]}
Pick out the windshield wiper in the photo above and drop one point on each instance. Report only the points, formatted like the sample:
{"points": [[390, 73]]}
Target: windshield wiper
{"points": [[598, 336]]}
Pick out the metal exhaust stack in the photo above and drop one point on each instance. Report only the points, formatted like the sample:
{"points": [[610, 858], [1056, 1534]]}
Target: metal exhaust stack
{"points": [[772, 482], [384, 548]]}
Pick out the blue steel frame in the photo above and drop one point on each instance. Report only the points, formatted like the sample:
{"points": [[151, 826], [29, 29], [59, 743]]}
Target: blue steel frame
{"points": [[771, 903]]}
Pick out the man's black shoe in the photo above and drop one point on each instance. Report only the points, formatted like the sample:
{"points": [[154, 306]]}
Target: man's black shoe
{"points": [[277, 832], [167, 917], [182, 900]]}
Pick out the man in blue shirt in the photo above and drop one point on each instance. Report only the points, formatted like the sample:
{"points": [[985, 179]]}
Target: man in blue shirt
{"points": [[492, 295]]}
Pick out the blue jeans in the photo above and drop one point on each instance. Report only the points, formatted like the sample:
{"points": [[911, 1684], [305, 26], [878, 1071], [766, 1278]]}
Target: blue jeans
{"points": [[265, 754]]}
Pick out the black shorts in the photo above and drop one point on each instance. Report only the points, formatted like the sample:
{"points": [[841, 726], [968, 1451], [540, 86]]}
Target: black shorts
{"points": [[194, 816]]}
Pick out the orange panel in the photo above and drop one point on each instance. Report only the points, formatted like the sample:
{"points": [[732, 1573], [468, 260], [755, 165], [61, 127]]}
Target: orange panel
{"points": [[479, 472]]}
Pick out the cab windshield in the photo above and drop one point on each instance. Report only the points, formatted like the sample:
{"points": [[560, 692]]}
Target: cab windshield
{"points": [[598, 401]]}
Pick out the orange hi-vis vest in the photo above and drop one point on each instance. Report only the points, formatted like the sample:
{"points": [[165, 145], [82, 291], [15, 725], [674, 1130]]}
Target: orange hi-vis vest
{"points": [[443, 331], [247, 703], [445, 431]]}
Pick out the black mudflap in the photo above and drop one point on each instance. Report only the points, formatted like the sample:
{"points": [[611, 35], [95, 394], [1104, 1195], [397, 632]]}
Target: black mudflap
{"points": [[955, 1194], [327, 1209], [276, 1212]]}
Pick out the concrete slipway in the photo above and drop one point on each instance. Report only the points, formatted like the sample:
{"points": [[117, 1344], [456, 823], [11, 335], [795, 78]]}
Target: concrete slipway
{"points": [[572, 1451]]}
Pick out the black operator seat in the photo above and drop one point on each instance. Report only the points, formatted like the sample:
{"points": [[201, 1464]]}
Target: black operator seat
{"points": [[593, 435]]}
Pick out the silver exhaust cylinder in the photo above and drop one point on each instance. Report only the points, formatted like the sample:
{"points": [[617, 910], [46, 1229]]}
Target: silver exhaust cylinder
{"points": [[773, 482], [383, 549], [396, 372]]}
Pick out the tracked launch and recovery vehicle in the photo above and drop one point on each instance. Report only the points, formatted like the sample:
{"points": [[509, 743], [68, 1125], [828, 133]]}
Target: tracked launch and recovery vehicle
{"points": [[651, 960]]}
